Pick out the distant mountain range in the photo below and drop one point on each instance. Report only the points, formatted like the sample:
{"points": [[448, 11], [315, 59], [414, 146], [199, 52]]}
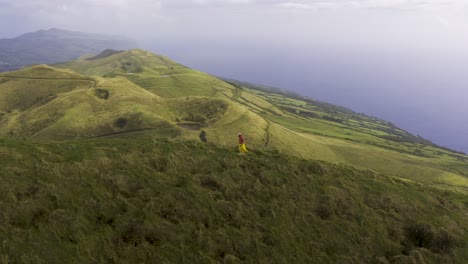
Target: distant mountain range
{"points": [[55, 45]]}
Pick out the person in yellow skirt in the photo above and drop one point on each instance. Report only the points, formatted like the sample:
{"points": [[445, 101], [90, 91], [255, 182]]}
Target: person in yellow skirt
{"points": [[242, 147]]}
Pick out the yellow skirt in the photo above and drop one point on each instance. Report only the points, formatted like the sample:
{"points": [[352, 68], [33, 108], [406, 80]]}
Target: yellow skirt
{"points": [[242, 148]]}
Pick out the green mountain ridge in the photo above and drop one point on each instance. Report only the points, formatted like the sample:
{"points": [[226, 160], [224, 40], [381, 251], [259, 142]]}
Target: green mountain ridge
{"points": [[321, 183]]}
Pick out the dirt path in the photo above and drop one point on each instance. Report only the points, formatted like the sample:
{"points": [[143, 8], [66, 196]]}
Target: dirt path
{"points": [[267, 130], [50, 79], [237, 92], [127, 132]]}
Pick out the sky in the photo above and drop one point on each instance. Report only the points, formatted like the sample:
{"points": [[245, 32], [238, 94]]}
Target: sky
{"points": [[401, 60]]}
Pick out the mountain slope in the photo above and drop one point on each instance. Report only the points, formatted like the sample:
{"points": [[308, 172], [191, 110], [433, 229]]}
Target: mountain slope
{"points": [[171, 80], [150, 93], [61, 105], [155, 73], [102, 161], [49, 103], [55, 45], [316, 130]]}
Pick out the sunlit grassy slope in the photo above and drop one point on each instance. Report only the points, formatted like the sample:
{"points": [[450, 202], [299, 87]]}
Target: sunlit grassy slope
{"points": [[153, 72], [49, 103], [142, 199], [316, 130]]}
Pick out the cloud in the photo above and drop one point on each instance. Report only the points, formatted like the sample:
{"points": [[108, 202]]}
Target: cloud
{"points": [[369, 4], [150, 18], [83, 4], [304, 5], [48, 5], [104, 16], [293, 5], [205, 2]]}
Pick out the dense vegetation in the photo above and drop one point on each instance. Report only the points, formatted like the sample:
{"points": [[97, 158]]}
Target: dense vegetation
{"points": [[152, 200]]}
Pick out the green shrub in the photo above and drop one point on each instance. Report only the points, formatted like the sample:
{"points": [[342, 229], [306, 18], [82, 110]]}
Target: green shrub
{"points": [[419, 235], [443, 242], [211, 183]]}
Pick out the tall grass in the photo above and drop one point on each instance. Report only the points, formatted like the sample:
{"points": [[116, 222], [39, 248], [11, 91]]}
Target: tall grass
{"points": [[147, 200]]}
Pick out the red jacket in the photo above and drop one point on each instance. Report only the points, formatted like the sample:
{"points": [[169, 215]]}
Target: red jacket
{"points": [[241, 139]]}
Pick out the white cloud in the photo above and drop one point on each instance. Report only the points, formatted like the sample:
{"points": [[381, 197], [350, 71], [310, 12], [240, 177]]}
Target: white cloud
{"points": [[83, 4], [287, 4], [293, 5], [204, 3], [221, 1], [369, 4], [254, 18]]}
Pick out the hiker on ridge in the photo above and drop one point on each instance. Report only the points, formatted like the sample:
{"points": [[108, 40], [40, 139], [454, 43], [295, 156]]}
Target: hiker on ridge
{"points": [[242, 147]]}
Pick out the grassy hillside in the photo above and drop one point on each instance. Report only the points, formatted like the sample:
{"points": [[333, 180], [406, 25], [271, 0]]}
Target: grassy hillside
{"points": [[47, 103], [155, 73], [140, 199], [137, 91], [315, 130], [102, 161]]}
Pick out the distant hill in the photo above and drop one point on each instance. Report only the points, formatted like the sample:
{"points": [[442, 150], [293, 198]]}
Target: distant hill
{"points": [[55, 45]]}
